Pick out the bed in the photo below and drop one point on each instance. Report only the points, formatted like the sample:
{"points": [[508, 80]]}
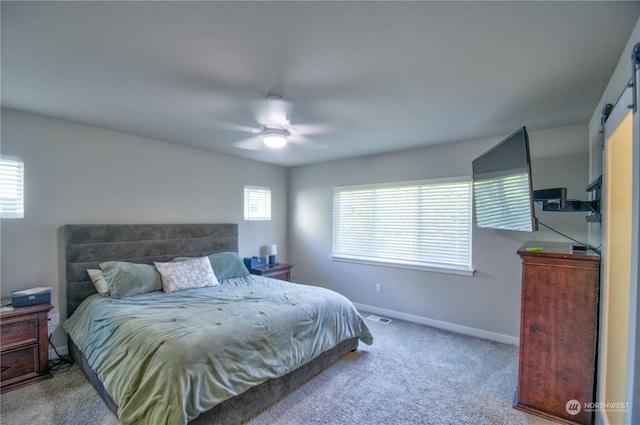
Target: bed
{"points": [[214, 354]]}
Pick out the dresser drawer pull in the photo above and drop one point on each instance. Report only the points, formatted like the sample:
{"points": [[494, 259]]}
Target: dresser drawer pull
{"points": [[3, 368]]}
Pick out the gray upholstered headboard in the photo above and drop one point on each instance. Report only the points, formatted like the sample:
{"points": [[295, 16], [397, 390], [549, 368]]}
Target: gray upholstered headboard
{"points": [[86, 246]]}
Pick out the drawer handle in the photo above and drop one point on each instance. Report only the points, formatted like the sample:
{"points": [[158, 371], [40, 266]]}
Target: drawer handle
{"points": [[3, 368]]}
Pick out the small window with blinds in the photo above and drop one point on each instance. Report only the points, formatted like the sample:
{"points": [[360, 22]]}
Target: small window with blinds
{"points": [[257, 203], [11, 187], [421, 224]]}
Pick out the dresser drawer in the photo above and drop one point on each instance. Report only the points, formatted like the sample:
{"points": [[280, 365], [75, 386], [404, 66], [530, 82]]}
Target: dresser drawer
{"points": [[19, 333], [19, 364]]}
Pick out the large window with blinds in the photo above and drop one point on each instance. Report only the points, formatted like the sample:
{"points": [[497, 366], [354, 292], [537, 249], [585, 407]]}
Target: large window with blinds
{"points": [[419, 224], [11, 187]]}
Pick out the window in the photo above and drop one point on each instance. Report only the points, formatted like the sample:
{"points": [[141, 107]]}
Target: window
{"points": [[424, 224], [11, 187], [257, 203]]}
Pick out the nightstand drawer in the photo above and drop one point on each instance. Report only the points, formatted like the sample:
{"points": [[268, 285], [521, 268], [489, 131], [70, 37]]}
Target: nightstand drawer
{"points": [[19, 364], [19, 333]]}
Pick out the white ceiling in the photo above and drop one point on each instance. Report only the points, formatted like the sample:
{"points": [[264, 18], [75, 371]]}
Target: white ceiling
{"points": [[383, 75]]}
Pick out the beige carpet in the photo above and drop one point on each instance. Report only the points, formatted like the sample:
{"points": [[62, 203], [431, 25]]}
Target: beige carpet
{"points": [[412, 374]]}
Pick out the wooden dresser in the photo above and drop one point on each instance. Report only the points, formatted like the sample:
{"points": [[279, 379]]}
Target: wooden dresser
{"points": [[558, 332], [24, 347]]}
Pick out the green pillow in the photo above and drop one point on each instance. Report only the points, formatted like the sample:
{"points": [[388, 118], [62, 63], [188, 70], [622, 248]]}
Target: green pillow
{"points": [[227, 265], [128, 279]]}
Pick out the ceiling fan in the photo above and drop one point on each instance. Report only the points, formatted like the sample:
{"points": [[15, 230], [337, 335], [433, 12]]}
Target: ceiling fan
{"points": [[274, 128]]}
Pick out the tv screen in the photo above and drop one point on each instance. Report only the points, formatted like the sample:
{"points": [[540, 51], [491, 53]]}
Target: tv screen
{"points": [[502, 187]]}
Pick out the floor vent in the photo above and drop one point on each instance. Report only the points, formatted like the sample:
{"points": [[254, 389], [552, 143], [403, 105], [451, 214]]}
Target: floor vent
{"points": [[379, 319]]}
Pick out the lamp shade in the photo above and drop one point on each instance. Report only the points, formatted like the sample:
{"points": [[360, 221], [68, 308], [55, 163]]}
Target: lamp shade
{"points": [[272, 249]]}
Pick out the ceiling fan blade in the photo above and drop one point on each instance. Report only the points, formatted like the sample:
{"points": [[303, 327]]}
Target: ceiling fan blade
{"points": [[250, 144], [312, 129], [306, 142], [226, 126]]}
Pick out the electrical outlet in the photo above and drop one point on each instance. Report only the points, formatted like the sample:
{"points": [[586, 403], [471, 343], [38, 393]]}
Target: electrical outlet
{"points": [[53, 321], [378, 287]]}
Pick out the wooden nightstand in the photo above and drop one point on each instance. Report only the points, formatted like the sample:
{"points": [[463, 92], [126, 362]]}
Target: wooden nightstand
{"points": [[277, 271], [24, 353]]}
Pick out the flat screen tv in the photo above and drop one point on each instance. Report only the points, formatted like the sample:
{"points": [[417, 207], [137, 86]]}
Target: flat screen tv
{"points": [[502, 186]]}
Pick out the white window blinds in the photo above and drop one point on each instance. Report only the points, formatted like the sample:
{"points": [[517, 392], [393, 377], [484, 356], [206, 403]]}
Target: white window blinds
{"points": [[257, 203], [11, 187], [421, 224]]}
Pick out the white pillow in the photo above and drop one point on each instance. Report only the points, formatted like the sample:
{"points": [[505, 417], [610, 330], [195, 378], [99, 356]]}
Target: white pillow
{"points": [[99, 282], [187, 274]]}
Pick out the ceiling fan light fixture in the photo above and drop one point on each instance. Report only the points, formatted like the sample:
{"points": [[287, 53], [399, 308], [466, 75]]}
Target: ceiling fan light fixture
{"points": [[275, 138]]}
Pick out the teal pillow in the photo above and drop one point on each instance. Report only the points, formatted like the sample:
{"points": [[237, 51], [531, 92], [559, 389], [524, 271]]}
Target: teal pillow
{"points": [[227, 265], [128, 279]]}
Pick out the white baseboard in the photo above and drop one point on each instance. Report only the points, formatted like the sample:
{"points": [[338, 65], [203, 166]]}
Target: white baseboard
{"points": [[505, 339]]}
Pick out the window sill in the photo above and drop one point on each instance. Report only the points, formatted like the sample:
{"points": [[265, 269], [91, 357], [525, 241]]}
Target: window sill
{"points": [[436, 269]]}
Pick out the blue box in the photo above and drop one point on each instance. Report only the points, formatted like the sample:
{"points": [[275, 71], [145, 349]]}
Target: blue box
{"points": [[33, 296], [255, 262]]}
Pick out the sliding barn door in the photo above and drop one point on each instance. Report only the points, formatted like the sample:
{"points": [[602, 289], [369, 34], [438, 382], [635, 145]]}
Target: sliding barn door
{"points": [[617, 263]]}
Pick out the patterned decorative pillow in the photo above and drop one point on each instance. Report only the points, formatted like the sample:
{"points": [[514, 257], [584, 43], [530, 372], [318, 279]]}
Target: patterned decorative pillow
{"points": [[187, 274], [101, 285]]}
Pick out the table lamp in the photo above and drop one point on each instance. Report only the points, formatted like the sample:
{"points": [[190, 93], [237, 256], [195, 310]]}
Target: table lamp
{"points": [[272, 250]]}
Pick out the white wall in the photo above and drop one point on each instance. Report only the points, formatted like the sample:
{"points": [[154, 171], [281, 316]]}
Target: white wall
{"points": [[77, 174], [490, 300]]}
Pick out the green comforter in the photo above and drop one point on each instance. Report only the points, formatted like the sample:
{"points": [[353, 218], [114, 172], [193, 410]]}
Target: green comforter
{"points": [[166, 357]]}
